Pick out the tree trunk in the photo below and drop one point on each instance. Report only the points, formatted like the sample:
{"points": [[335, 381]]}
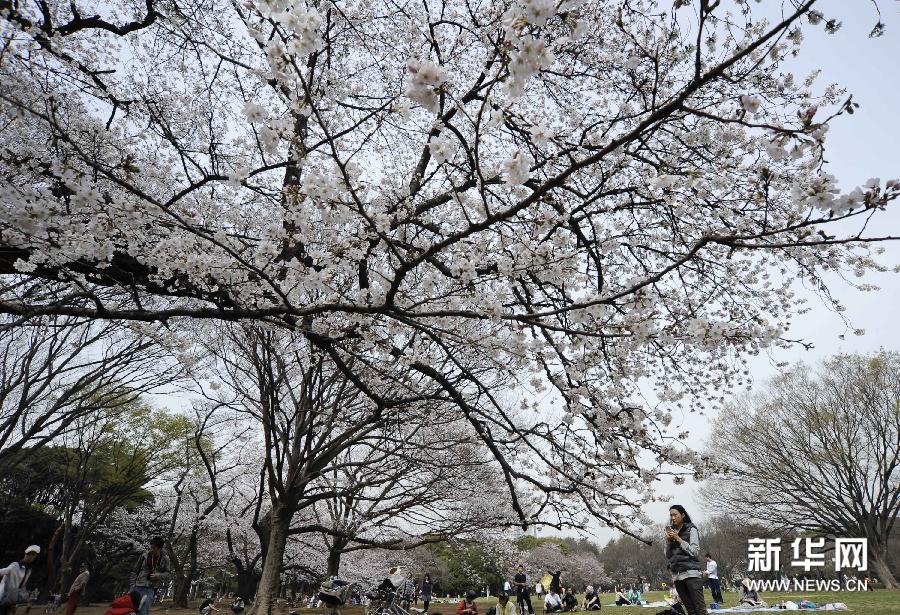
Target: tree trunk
{"points": [[182, 584], [51, 562], [247, 577], [188, 571], [246, 584], [334, 562], [267, 592], [182, 588], [880, 564]]}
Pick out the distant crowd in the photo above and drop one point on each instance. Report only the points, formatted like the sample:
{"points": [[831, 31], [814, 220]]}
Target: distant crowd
{"points": [[690, 571]]}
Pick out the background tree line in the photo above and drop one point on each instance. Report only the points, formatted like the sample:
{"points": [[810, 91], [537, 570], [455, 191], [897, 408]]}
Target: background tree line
{"points": [[90, 470]]}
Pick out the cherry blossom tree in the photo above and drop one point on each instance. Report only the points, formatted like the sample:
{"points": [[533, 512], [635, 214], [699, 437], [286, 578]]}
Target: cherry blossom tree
{"points": [[609, 200], [117, 542], [194, 496], [314, 423]]}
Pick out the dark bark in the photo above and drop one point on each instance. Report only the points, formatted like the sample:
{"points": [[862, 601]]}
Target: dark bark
{"points": [[879, 558], [247, 575], [270, 582]]}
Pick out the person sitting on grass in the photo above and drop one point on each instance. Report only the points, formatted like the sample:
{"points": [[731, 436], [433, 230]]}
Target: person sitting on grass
{"points": [[674, 602], [747, 596], [570, 602], [467, 605], [634, 595], [208, 606], [237, 607], [621, 598], [591, 599], [553, 603], [504, 605]]}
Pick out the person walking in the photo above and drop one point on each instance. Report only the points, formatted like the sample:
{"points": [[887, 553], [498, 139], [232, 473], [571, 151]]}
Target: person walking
{"points": [[150, 572], [13, 588], [76, 589], [683, 553], [712, 575], [408, 591], [523, 595]]}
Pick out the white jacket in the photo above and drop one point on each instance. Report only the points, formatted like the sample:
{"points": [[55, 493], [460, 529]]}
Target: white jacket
{"points": [[14, 576]]}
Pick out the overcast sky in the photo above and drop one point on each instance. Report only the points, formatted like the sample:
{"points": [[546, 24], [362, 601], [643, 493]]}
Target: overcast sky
{"points": [[860, 146]]}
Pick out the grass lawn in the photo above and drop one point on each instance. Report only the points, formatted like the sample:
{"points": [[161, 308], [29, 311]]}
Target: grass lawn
{"points": [[879, 602]]}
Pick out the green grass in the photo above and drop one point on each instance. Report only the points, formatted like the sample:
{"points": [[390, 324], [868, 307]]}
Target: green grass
{"points": [[879, 602]]}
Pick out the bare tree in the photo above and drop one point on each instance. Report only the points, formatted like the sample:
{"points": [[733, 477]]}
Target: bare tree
{"points": [[819, 451], [625, 559], [58, 372], [725, 536], [205, 468], [439, 485]]}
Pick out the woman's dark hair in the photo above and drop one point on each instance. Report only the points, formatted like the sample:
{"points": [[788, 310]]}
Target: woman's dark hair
{"points": [[427, 576], [680, 508]]}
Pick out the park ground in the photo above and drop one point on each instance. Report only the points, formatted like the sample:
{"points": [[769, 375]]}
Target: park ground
{"points": [[880, 602]]}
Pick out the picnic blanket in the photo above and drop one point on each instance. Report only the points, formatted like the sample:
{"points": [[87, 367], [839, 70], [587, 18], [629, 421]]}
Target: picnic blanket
{"points": [[824, 607], [735, 609]]}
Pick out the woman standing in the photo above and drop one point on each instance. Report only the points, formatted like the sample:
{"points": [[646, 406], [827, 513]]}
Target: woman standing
{"points": [[76, 589], [683, 553], [425, 592]]}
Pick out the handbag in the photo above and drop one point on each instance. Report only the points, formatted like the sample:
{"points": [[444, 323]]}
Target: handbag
{"points": [[15, 595]]}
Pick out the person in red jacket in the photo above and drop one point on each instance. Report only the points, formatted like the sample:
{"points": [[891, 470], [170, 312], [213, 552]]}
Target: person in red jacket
{"points": [[124, 605], [467, 605]]}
